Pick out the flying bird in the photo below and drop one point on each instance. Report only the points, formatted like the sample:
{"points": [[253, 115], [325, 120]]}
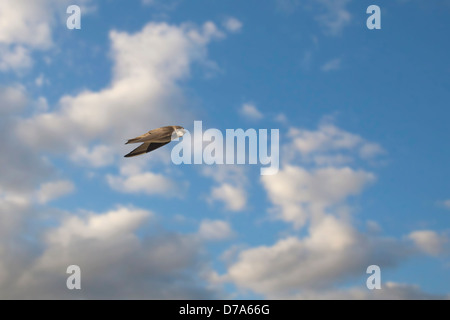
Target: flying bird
{"points": [[155, 139]]}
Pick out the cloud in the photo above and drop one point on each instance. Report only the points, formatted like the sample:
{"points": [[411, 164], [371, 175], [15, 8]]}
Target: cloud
{"points": [[230, 188], [145, 183], [234, 198], [330, 144], [53, 190], [23, 167], [215, 230], [26, 26], [115, 263], [429, 241], [388, 291], [144, 92], [299, 194], [332, 252], [331, 65], [335, 15], [232, 24], [332, 15], [98, 156], [14, 99], [250, 111]]}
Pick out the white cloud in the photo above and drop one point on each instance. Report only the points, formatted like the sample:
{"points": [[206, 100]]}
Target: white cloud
{"points": [[115, 262], [215, 230], [53, 190], [234, 197], [331, 253], [231, 186], [99, 156], [250, 111], [145, 183], [429, 241], [143, 94], [15, 58], [299, 194], [332, 65], [323, 144], [26, 26], [232, 24]]}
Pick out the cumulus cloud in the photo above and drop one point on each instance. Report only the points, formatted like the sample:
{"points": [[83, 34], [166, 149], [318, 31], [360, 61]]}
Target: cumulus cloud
{"points": [[115, 263], [299, 194], [215, 230], [24, 167], [143, 94], [429, 241], [230, 188], [26, 26], [98, 156], [250, 111], [332, 252], [234, 198], [53, 190], [146, 183], [329, 143]]}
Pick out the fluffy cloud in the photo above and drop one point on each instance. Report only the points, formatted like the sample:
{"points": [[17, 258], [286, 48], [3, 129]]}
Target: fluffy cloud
{"points": [[250, 111], [332, 252], [52, 190], [231, 187], [143, 94], [26, 26], [98, 156], [146, 182], [299, 194], [234, 198], [329, 138], [215, 230], [429, 241], [114, 261]]}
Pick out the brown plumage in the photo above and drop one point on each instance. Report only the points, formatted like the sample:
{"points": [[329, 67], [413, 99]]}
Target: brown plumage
{"points": [[155, 139]]}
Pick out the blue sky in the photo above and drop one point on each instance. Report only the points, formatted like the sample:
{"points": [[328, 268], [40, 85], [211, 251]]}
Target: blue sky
{"points": [[363, 177]]}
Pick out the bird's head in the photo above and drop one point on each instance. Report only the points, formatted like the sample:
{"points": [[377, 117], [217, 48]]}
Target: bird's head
{"points": [[179, 132]]}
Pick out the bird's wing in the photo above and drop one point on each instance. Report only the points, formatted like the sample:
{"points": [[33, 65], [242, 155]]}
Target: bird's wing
{"points": [[159, 135], [146, 147]]}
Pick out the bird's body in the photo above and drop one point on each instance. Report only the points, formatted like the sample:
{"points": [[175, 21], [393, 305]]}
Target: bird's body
{"points": [[155, 139]]}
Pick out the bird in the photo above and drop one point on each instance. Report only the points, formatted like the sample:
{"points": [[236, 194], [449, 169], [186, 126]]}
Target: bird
{"points": [[155, 139]]}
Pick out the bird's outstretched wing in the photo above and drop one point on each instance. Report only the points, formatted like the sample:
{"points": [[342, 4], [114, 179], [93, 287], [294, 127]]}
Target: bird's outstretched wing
{"points": [[159, 135], [145, 148]]}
